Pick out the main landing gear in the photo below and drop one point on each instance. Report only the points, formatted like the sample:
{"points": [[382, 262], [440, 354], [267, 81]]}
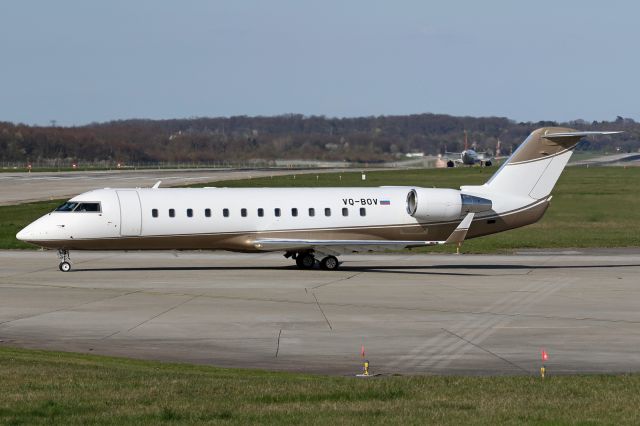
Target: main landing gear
{"points": [[65, 260], [307, 260]]}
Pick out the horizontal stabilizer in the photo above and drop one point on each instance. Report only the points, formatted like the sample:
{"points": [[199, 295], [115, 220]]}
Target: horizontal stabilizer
{"points": [[578, 134], [460, 233]]}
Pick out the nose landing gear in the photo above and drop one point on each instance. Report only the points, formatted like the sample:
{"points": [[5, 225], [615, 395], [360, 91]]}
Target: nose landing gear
{"points": [[65, 260]]}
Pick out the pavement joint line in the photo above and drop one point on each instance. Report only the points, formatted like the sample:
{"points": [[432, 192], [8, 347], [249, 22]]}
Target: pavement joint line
{"points": [[337, 280], [69, 307], [321, 311], [487, 351], [278, 343], [163, 312]]}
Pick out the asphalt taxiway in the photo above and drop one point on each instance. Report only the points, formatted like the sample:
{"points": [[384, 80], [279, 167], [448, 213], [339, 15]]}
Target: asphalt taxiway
{"points": [[26, 187], [415, 314]]}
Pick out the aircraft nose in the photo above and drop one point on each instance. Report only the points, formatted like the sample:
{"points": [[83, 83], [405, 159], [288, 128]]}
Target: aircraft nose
{"points": [[31, 232], [24, 234]]}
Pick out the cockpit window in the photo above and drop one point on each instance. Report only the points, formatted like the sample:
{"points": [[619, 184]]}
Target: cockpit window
{"points": [[79, 207], [88, 207], [66, 207]]}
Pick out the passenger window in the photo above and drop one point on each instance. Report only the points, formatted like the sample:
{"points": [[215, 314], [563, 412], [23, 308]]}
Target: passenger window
{"points": [[363, 211], [225, 212], [277, 212], [154, 212], [207, 212], [172, 213], [294, 212], [260, 212], [312, 212], [243, 212], [345, 211], [189, 212], [66, 207], [88, 207], [327, 211]]}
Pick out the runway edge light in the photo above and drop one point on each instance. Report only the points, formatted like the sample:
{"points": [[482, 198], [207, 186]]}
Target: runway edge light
{"points": [[545, 357], [365, 364]]}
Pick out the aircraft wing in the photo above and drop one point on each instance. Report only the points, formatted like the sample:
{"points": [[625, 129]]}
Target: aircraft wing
{"points": [[336, 247]]}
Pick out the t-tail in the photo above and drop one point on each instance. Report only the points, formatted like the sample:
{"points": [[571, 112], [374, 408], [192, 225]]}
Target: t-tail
{"points": [[525, 180]]}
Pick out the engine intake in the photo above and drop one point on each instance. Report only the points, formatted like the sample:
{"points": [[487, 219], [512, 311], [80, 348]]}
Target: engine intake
{"points": [[437, 204]]}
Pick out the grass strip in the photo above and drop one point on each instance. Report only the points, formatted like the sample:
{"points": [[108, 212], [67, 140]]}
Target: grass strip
{"points": [[591, 207], [63, 388]]}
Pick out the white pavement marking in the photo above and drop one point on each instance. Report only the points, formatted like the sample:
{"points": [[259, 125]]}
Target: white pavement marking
{"points": [[439, 351]]}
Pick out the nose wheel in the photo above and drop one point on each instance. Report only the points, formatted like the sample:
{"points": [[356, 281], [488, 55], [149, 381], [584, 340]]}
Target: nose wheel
{"points": [[65, 260]]}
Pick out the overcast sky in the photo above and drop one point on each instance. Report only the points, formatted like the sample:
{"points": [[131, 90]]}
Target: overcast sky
{"points": [[83, 61]]}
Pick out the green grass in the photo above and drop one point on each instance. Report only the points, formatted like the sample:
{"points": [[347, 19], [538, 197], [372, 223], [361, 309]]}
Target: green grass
{"points": [[14, 218], [591, 207], [40, 387]]}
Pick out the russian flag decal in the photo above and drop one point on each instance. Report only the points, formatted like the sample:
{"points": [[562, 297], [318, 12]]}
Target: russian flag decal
{"points": [[385, 202]]}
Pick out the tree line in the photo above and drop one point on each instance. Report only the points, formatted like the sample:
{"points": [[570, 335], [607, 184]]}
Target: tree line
{"points": [[292, 136]]}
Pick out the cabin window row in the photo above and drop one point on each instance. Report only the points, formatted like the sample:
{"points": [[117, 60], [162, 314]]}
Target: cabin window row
{"points": [[277, 212]]}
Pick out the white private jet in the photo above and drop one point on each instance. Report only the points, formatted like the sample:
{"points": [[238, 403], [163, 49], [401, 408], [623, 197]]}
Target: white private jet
{"points": [[310, 223]]}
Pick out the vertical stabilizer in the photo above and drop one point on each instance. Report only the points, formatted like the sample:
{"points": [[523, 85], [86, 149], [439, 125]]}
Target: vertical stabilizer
{"points": [[534, 168]]}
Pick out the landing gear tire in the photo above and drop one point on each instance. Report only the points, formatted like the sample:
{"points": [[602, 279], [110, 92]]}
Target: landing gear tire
{"points": [[65, 260], [64, 266], [329, 263], [305, 261]]}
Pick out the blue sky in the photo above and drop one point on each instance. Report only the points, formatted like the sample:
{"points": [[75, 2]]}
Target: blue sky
{"points": [[81, 61]]}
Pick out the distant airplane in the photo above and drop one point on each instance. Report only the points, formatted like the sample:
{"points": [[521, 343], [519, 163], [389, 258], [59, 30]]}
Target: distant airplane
{"points": [[310, 224], [470, 157]]}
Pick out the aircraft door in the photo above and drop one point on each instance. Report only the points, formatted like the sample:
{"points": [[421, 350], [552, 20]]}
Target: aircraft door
{"points": [[130, 213]]}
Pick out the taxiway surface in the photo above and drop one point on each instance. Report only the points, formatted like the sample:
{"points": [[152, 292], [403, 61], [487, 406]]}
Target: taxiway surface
{"points": [[25, 187], [415, 314]]}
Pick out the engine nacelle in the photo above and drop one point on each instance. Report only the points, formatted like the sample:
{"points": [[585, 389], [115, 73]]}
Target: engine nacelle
{"points": [[437, 204]]}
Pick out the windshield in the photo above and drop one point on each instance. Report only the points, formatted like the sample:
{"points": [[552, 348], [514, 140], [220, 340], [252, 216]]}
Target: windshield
{"points": [[66, 207], [88, 207]]}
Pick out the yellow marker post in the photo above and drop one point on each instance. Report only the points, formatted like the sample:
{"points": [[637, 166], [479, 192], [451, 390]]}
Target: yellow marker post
{"points": [[542, 371], [365, 365]]}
